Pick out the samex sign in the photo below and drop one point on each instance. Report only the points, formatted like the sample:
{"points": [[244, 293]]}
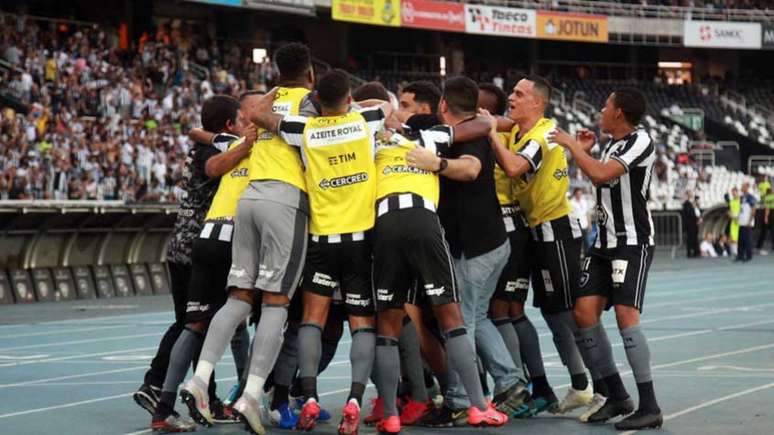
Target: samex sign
{"points": [[721, 34], [491, 20]]}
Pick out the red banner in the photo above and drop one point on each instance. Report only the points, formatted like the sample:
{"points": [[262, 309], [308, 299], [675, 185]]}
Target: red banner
{"points": [[437, 15]]}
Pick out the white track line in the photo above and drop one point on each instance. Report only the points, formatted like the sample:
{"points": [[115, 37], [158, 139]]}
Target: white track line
{"points": [[84, 355], [64, 331], [710, 403], [134, 316], [88, 340]]}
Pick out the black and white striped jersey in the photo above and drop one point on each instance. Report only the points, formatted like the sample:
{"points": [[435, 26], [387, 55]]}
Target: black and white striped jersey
{"points": [[622, 204]]}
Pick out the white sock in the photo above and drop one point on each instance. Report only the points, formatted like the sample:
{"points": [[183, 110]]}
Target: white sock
{"points": [[254, 386], [203, 371]]}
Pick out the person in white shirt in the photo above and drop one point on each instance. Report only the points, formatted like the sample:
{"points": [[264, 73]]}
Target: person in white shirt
{"points": [[580, 210]]}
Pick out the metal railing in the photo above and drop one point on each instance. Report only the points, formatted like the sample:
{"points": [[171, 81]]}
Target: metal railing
{"points": [[668, 227], [757, 161]]}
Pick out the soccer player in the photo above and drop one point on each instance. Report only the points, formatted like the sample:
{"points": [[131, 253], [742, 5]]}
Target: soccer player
{"points": [[211, 256], [616, 271], [205, 163], [411, 256], [420, 98], [539, 170], [268, 249], [337, 148]]}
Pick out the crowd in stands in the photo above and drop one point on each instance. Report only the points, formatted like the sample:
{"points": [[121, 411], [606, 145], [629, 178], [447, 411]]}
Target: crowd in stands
{"points": [[108, 118]]}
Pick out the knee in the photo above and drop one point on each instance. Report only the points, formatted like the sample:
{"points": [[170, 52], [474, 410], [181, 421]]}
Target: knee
{"points": [[516, 309], [627, 316], [243, 295], [197, 327], [583, 317]]}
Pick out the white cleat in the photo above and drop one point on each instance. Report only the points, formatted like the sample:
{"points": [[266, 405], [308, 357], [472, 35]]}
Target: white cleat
{"points": [[597, 402], [575, 399], [197, 400], [250, 411]]}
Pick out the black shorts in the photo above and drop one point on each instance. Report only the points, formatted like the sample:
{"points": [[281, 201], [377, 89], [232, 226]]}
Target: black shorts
{"points": [[513, 284], [411, 260], [207, 292], [555, 274], [619, 274], [345, 265]]}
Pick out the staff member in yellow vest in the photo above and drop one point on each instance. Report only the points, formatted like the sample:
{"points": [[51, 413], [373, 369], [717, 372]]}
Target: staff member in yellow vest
{"points": [[734, 207], [211, 259], [338, 150], [513, 283], [268, 250], [539, 170]]}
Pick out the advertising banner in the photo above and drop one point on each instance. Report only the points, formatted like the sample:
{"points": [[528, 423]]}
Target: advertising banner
{"points": [[376, 12], [768, 36], [436, 15], [721, 34], [572, 27], [497, 21]]}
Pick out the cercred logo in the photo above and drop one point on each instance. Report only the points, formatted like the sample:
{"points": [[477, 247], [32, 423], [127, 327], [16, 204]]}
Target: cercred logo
{"points": [[347, 180]]}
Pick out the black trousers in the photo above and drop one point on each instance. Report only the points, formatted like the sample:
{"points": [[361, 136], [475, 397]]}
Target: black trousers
{"points": [[765, 229], [745, 244], [692, 241]]}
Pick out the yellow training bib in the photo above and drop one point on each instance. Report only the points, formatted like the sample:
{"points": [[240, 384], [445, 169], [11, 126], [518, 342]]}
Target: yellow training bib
{"points": [[340, 174], [224, 203], [393, 175], [272, 158], [542, 195]]}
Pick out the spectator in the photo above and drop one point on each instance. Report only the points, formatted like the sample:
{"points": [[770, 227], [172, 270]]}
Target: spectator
{"points": [[691, 223], [746, 222], [707, 247]]}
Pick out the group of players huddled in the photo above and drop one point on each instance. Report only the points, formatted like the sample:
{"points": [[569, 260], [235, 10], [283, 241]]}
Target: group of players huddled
{"points": [[423, 225]]}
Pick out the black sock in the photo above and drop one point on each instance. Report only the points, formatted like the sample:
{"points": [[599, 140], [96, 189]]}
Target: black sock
{"points": [[616, 387], [648, 397], [166, 405], [280, 396], [600, 387], [309, 387], [540, 387], [356, 391], [579, 382]]}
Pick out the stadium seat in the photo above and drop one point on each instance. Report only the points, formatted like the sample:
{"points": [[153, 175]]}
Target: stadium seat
{"points": [[6, 291], [122, 280], [104, 282], [44, 284], [64, 284], [84, 282], [23, 290], [140, 279], [159, 278]]}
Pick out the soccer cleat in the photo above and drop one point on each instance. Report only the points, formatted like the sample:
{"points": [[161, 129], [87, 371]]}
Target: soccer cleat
{"points": [[597, 402], [283, 417], [377, 412], [412, 412], [641, 420], [147, 397], [249, 409], [309, 415], [196, 399], [173, 423], [574, 399], [511, 399], [324, 414], [611, 409], [350, 418], [445, 417], [222, 413], [536, 405], [389, 426], [488, 417]]}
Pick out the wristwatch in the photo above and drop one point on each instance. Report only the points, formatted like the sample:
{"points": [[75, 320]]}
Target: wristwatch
{"points": [[442, 165]]}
